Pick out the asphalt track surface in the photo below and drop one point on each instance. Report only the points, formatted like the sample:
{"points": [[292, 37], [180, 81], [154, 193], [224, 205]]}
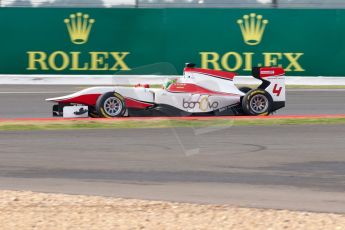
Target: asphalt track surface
{"points": [[284, 167], [287, 167], [29, 101]]}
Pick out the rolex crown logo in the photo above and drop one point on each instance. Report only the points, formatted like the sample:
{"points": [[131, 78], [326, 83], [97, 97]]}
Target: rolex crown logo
{"points": [[79, 26], [252, 28]]}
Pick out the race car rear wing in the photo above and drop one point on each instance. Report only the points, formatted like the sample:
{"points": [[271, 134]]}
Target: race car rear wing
{"points": [[273, 81]]}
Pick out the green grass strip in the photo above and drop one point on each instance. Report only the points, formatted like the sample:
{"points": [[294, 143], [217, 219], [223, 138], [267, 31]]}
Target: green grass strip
{"points": [[160, 123]]}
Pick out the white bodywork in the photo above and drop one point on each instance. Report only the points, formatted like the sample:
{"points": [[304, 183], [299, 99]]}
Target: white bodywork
{"points": [[220, 92], [72, 111], [277, 87], [211, 83], [189, 102]]}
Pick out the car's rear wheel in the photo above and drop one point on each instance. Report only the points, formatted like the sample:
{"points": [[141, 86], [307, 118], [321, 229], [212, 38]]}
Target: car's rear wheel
{"points": [[110, 105], [257, 102]]}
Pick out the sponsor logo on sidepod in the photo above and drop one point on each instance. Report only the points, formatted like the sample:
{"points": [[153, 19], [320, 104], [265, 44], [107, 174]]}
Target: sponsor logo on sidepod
{"points": [[202, 104]]}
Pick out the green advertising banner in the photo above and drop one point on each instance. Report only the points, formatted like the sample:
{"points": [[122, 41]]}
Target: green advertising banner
{"points": [[159, 41]]}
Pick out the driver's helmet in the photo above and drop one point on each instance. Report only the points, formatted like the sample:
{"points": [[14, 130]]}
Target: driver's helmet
{"points": [[168, 82]]}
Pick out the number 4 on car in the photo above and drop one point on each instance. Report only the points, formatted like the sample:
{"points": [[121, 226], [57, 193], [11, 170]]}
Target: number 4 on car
{"points": [[199, 92]]}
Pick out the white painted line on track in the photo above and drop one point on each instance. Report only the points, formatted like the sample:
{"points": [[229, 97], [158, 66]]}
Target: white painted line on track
{"points": [[37, 92], [38, 79], [56, 92]]}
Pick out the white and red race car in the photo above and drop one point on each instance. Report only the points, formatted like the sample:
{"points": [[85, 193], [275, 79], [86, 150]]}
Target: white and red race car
{"points": [[199, 92]]}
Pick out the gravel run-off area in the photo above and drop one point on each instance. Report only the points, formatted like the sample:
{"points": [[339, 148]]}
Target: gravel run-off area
{"points": [[29, 210]]}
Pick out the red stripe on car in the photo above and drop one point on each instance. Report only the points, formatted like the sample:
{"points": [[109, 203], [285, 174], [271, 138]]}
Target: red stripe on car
{"points": [[132, 103], [271, 71], [86, 99]]}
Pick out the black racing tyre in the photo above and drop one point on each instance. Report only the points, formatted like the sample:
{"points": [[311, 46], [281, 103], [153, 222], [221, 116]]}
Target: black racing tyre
{"points": [[92, 112], [245, 89], [257, 102], [110, 105]]}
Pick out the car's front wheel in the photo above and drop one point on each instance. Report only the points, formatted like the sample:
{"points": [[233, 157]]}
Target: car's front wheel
{"points": [[110, 105]]}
